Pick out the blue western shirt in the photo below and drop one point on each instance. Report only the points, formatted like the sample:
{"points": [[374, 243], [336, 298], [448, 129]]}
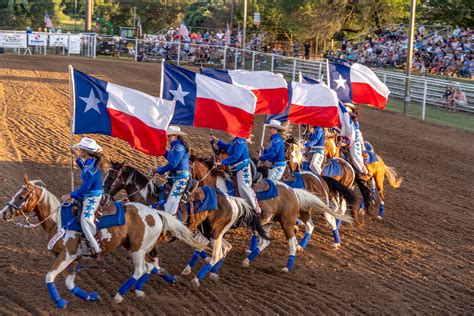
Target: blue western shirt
{"points": [[316, 141], [238, 153], [276, 151], [91, 179], [178, 160]]}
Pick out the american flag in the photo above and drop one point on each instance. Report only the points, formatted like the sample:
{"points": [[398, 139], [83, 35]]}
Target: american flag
{"points": [[138, 28], [47, 21], [239, 37], [183, 30], [227, 36]]}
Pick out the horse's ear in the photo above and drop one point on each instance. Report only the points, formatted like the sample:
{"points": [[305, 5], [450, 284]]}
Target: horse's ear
{"points": [[26, 179]]}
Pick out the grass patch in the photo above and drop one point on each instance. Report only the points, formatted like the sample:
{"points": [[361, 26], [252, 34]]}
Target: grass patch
{"points": [[435, 115]]}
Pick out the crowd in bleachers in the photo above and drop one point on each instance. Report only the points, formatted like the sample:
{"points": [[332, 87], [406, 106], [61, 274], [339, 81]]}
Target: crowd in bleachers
{"points": [[447, 52]]}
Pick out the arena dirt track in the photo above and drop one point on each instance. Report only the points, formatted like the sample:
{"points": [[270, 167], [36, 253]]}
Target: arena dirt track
{"points": [[419, 260]]}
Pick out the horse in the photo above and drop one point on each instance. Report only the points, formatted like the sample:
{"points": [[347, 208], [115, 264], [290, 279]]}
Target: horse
{"points": [[140, 233], [285, 208]]}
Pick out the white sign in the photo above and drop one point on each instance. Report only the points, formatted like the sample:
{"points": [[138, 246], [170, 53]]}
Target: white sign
{"points": [[256, 18], [13, 40], [37, 39], [57, 40], [75, 44]]}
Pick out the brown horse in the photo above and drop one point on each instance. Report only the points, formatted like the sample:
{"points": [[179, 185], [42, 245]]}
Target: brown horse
{"points": [[139, 234]]}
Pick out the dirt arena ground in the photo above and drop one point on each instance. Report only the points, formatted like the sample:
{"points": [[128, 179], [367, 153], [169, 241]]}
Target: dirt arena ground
{"points": [[419, 260]]}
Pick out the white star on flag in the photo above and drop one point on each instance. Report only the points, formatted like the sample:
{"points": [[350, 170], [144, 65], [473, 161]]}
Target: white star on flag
{"points": [[178, 95], [341, 82], [91, 102]]}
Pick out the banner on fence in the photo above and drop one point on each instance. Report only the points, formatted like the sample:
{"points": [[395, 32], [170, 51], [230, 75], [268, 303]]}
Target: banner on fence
{"points": [[75, 44], [13, 40], [57, 40], [37, 39]]}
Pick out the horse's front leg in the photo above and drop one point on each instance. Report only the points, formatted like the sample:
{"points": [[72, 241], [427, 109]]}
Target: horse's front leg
{"points": [[308, 222], [217, 255], [226, 247], [262, 244], [70, 276], [196, 255], [335, 231]]}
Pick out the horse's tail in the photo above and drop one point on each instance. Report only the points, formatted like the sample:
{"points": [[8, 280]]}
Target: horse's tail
{"points": [[248, 217], [179, 230], [309, 200], [340, 188], [393, 179]]}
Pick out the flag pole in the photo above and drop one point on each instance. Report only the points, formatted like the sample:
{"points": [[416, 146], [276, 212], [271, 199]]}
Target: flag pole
{"points": [[300, 79], [261, 141], [162, 82], [71, 123], [327, 73]]}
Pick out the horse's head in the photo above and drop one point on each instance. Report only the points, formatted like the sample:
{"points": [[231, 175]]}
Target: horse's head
{"points": [[294, 153], [200, 166], [24, 201], [114, 180]]}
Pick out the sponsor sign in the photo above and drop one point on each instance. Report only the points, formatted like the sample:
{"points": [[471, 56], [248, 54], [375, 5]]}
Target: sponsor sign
{"points": [[75, 44], [13, 40], [58, 40], [256, 18], [37, 39]]}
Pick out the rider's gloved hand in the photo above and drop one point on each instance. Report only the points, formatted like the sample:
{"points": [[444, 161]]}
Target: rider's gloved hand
{"points": [[160, 170], [212, 138]]}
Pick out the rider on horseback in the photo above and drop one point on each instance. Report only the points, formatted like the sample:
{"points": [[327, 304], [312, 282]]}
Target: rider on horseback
{"points": [[275, 153], [239, 162], [356, 148], [178, 168], [91, 161], [315, 146]]}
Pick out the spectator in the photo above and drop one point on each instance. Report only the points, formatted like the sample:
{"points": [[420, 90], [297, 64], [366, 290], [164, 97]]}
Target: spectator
{"points": [[307, 48], [458, 98], [296, 49]]}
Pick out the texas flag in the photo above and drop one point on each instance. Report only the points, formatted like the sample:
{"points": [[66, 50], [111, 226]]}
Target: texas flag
{"points": [[270, 89], [357, 84], [102, 107], [202, 101]]}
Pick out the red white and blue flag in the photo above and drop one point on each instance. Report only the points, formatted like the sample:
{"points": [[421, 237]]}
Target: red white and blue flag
{"points": [[102, 107], [270, 89], [183, 30], [357, 84], [227, 34], [48, 22], [202, 101]]}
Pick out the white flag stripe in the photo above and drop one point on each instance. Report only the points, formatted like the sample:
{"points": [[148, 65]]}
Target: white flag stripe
{"points": [[257, 79], [152, 111], [224, 93], [313, 95], [362, 74]]}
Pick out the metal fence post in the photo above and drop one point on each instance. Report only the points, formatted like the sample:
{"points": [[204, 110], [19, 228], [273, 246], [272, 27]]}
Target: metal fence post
{"points": [[294, 69], [253, 61], [136, 50], [94, 46], [179, 52], [385, 78], [423, 106], [320, 71], [273, 61], [68, 44], [236, 58], [225, 58]]}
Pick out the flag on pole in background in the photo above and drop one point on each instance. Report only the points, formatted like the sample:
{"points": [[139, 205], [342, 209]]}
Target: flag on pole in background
{"points": [[138, 28], [202, 101], [239, 37], [357, 84], [270, 89], [227, 34], [102, 107], [183, 30], [47, 21]]}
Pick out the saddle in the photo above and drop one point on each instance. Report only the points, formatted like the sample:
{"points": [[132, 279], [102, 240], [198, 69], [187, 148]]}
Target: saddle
{"points": [[265, 189]]}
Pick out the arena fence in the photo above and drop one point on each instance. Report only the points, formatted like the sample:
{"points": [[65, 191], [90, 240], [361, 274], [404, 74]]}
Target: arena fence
{"points": [[425, 91]]}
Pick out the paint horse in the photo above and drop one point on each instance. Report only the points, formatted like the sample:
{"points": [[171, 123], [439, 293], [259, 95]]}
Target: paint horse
{"points": [[213, 222], [284, 207], [142, 228]]}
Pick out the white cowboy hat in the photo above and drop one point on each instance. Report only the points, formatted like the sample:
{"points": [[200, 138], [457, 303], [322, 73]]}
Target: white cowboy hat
{"points": [[275, 124], [174, 130], [350, 107], [88, 144]]}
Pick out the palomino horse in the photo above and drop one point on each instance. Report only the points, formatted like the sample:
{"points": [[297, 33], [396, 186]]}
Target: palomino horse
{"points": [[231, 212], [285, 208], [139, 234]]}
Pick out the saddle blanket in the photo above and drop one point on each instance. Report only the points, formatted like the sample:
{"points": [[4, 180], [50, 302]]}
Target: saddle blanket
{"points": [[271, 193], [210, 200], [333, 169], [371, 157], [70, 222], [298, 183]]}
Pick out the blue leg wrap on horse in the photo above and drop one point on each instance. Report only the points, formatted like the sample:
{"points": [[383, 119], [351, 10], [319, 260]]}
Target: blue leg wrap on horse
{"points": [[203, 254], [80, 293], [155, 270], [338, 223], [217, 266], [254, 254], [361, 204], [141, 281], [53, 292], [204, 270], [253, 242], [374, 195], [127, 285], [93, 297], [298, 222], [169, 278], [305, 241], [194, 258], [382, 210], [291, 262], [337, 237]]}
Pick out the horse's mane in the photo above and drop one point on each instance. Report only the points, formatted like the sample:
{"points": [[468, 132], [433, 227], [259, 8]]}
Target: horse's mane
{"points": [[49, 198], [209, 163]]}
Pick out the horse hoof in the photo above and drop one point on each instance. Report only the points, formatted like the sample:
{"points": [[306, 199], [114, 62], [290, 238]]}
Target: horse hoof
{"points": [[248, 251], [214, 276], [178, 279], [94, 297], [336, 246], [139, 293], [379, 217], [208, 259], [285, 269], [118, 298], [162, 272], [299, 248], [246, 263], [61, 304], [362, 212], [195, 283], [187, 271]]}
